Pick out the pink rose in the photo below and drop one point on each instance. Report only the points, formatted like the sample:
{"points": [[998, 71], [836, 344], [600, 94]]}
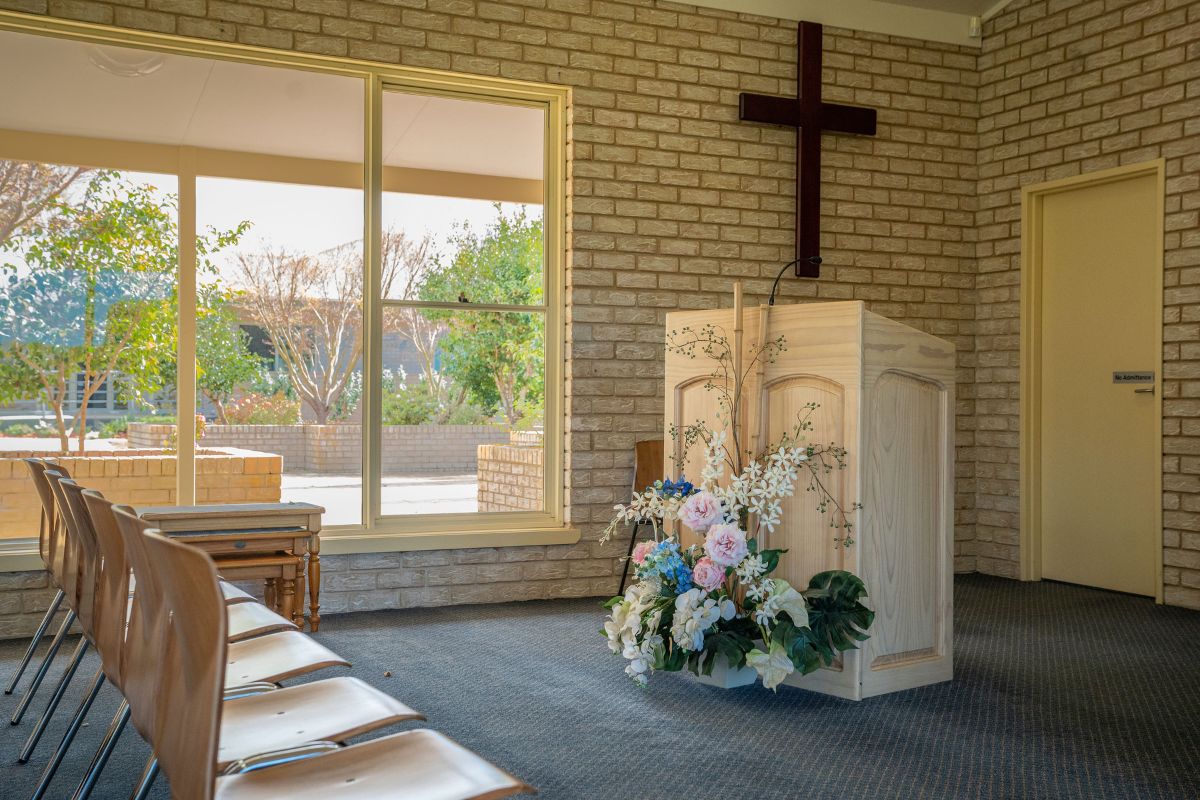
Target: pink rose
{"points": [[726, 544], [701, 511], [641, 551], [707, 575]]}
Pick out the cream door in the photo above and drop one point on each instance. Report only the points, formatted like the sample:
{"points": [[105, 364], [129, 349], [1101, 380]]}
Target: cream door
{"points": [[1101, 298]]}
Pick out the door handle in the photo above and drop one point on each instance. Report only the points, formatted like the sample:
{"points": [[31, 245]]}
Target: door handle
{"points": [[1148, 390]]}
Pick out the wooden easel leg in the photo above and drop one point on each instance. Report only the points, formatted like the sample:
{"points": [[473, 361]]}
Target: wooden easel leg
{"points": [[314, 583], [629, 557]]}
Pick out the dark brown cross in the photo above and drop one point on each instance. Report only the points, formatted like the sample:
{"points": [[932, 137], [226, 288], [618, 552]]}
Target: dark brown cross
{"points": [[810, 116]]}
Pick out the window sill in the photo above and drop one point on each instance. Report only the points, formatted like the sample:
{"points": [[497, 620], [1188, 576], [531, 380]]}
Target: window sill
{"points": [[21, 555], [334, 543]]}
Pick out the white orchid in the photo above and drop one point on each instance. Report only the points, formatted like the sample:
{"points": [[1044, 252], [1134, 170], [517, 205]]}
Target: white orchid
{"points": [[751, 569], [695, 613], [773, 666]]}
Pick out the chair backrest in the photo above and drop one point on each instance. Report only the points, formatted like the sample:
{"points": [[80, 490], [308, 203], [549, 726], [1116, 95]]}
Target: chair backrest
{"points": [[112, 594], [79, 528], [50, 527], [647, 464], [68, 544], [192, 669], [141, 658]]}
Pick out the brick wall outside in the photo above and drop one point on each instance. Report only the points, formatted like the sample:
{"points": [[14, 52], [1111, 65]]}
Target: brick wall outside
{"points": [[337, 449], [141, 478], [512, 476], [1070, 87]]}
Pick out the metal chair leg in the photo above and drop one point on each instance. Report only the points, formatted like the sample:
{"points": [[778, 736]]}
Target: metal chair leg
{"points": [[61, 689], [35, 641], [76, 723], [146, 782], [629, 556], [103, 753], [44, 668]]}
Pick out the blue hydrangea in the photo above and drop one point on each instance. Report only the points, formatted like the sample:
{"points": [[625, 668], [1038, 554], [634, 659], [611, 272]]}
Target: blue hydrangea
{"points": [[666, 561]]}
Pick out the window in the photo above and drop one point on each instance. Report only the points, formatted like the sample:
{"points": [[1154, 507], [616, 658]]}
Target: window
{"points": [[364, 279]]}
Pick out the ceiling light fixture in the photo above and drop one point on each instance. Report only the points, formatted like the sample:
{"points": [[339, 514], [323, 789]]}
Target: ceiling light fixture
{"points": [[125, 63]]}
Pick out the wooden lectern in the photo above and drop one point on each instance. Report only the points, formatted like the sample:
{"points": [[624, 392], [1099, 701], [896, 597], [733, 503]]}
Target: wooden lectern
{"points": [[885, 393]]}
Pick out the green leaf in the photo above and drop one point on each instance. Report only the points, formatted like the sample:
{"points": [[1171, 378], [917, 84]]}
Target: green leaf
{"points": [[837, 620]]}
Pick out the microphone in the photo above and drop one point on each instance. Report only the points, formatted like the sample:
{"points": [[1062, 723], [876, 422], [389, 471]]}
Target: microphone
{"points": [[814, 260]]}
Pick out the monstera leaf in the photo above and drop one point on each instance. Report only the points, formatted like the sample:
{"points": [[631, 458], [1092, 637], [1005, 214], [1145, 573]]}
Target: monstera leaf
{"points": [[835, 616]]}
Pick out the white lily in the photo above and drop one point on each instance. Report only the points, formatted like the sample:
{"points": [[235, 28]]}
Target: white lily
{"points": [[786, 598], [772, 667]]}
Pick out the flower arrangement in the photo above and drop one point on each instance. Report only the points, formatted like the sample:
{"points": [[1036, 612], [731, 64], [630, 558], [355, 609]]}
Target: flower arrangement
{"points": [[692, 605]]}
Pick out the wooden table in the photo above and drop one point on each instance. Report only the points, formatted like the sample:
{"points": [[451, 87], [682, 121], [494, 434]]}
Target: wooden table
{"points": [[253, 540]]}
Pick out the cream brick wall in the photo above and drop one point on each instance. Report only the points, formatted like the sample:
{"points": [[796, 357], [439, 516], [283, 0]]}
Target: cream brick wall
{"points": [[672, 200], [1068, 87]]}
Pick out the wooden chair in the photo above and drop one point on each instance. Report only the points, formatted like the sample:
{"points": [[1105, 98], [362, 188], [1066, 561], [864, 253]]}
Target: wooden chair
{"points": [[188, 708], [49, 534], [81, 565], [117, 622], [647, 468]]}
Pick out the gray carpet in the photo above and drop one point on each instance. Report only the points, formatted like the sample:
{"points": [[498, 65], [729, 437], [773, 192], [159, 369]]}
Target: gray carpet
{"points": [[1059, 692]]}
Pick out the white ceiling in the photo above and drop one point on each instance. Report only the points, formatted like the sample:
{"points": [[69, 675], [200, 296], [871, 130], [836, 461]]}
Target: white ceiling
{"points": [[969, 7], [225, 105], [931, 20]]}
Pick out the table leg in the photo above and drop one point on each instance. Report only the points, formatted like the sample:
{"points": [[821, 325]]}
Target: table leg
{"points": [[287, 599], [298, 611], [314, 582], [271, 594]]}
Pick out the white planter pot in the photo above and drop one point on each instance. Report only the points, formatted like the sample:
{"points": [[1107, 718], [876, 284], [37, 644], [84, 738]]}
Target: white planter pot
{"points": [[726, 677]]}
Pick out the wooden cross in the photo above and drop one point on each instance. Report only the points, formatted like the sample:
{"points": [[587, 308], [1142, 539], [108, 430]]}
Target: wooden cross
{"points": [[810, 116]]}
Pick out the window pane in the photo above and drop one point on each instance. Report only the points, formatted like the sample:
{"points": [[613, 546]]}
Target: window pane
{"points": [[463, 411], [462, 213], [88, 312], [279, 339], [279, 319]]}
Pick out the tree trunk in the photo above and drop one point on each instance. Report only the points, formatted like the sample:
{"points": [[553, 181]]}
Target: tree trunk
{"points": [[82, 432], [64, 441]]}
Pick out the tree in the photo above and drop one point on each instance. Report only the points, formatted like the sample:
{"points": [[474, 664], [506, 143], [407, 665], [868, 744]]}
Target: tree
{"points": [[311, 307], [27, 189], [498, 356], [223, 358], [95, 299]]}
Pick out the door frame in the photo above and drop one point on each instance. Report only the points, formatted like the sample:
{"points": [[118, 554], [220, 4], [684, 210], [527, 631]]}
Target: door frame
{"points": [[1032, 197]]}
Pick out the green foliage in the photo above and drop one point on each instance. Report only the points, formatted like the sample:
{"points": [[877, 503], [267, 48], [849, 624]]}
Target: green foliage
{"points": [[836, 616], [270, 383], [118, 426], [257, 409], [223, 358], [18, 429], [499, 358], [410, 404]]}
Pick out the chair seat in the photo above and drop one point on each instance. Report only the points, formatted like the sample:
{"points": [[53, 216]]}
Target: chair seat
{"points": [[413, 765], [248, 620], [332, 710], [233, 594], [276, 657]]}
